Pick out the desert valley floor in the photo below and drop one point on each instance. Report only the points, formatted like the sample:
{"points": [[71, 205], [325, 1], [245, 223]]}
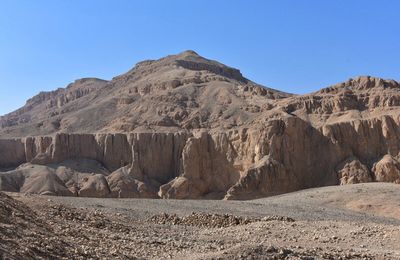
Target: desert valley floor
{"points": [[360, 221]]}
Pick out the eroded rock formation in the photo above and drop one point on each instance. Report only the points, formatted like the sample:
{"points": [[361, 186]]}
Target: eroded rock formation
{"points": [[186, 127], [387, 169], [353, 171]]}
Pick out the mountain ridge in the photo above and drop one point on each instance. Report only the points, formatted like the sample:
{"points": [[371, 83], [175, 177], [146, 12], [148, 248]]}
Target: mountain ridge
{"points": [[187, 127], [177, 77]]}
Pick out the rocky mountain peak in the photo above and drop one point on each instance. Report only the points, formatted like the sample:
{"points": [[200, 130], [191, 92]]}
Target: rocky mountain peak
{"points": [[188, 54], [188, 60], [369, 82], [182, 91], [84, 82], [192, 61], [364, 93], [362, 83], [185, 92]]}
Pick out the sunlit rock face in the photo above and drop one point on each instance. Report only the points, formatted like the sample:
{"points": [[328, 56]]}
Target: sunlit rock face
{"points": [[186, 127]]}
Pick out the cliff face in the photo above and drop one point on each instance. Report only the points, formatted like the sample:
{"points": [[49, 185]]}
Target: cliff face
{"points": [[188, 127], [283, 155]]}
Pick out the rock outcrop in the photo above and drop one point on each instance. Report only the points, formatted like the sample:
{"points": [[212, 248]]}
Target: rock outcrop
{"points": [[207, 169], [285, 155], [186, 127], [94, 186], [387, 169], [353, 171], [143, 161]]}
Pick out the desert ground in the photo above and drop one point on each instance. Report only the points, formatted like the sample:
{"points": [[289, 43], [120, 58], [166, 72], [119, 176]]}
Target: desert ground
{"points": [[360, 221]]}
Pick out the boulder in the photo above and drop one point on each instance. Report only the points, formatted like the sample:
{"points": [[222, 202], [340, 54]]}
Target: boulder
{"points": [[94, 186], [125, 184], [387, 169], [352, 171]]}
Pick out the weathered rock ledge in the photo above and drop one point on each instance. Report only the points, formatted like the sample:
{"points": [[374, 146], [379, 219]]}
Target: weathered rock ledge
{"points": [[279, 156]]}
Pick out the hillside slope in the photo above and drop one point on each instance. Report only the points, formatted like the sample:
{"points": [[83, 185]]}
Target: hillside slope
{"points": [[184, 91]]}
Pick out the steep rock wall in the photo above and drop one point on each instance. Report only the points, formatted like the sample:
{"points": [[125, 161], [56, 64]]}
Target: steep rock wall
{"points": [[12, 153], [208, 169], [288, 154], [292, 155], [280, 155]]}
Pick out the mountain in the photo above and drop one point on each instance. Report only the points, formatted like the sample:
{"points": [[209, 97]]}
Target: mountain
{"points": [[187, 127], [183, 91]]}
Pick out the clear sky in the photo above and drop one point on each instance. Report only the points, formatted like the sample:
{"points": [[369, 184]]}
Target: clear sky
{"points": [[296, 46]]}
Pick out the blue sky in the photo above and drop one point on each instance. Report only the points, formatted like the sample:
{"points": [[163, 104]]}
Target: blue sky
{"points": [[296, 46]]}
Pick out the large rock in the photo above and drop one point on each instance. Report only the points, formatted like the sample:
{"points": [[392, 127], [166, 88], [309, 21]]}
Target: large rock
{"points": [[266, 178], [353, 171], [387, 169], [35, 179], [94, 186], [125, 184]]}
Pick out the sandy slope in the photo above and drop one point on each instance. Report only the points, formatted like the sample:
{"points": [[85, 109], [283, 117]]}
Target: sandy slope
{"points": [[325, 225]]}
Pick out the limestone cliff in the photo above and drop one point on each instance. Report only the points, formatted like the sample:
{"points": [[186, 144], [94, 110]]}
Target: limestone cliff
{"points": [[187, 127], [284, 155]]}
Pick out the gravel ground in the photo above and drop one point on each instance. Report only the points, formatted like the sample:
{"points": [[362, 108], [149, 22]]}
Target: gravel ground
{"points": [[345, 222], [327, 203]]}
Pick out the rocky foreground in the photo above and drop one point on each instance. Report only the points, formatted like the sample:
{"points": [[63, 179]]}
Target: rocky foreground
{"points": [[185, 127], [326, 223]]}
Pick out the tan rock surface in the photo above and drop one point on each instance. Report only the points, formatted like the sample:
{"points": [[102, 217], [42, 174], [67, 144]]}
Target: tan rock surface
{"points": [[387, 169], [187, 127], [94, 186], [181, 91], [353, 171]]}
